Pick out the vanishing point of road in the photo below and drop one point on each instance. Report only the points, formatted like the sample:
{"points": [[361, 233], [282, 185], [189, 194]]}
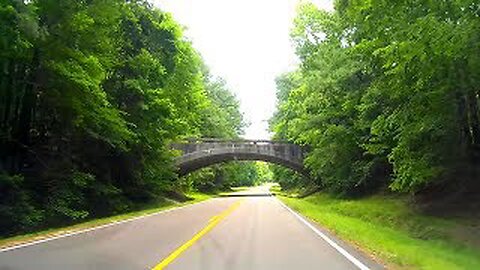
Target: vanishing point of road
{"points": [[251, 230]]}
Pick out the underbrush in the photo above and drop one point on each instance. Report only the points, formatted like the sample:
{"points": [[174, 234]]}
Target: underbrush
{"points": [[146, 209]]}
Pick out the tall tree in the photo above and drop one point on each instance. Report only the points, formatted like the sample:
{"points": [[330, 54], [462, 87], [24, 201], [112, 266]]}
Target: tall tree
{"points": [[91, 95], [386, 89]]}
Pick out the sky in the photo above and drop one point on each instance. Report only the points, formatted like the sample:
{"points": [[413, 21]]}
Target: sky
{"points": [[247, 43]]}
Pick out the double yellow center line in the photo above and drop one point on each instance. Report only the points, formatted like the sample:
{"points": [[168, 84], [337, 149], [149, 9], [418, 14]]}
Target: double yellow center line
{"points": [[211, 224]]}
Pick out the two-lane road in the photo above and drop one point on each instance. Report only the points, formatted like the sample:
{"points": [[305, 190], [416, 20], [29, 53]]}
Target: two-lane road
{"points": [[245, 232]]}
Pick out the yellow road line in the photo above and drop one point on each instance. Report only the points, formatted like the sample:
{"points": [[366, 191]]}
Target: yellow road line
{"points": [[212, 218], [212, 223]]}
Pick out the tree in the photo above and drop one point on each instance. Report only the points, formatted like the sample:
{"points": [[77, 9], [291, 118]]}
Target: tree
{"points": [[384, 94], [220, 118], [91, 95]]}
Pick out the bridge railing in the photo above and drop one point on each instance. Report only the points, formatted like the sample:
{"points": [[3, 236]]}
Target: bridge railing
{"points": [[216, 140]]}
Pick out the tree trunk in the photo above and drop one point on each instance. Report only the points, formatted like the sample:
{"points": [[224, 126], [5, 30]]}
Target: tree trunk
{"points": [[473, 116]]}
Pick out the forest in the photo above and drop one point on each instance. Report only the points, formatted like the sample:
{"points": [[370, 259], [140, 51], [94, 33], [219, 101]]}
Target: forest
{"points": [[91, 95], [386, 97], [384, 102]]}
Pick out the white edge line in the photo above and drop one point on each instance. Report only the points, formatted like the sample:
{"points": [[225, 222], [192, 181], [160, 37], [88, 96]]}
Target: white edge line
{"points": [[97, 227], [342, 251]]}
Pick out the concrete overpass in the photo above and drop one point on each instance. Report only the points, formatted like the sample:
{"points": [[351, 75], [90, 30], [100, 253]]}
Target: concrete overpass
{"points": [[199, 153]]}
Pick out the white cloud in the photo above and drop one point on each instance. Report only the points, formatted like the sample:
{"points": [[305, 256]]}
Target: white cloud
{"points": [[247, 43]]}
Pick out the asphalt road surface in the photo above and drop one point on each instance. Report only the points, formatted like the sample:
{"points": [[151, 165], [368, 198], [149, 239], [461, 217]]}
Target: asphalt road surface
{"points": [[240, 232]]}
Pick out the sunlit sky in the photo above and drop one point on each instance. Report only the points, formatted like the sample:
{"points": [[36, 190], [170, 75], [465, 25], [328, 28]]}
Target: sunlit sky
{"points": [[247, 43]]}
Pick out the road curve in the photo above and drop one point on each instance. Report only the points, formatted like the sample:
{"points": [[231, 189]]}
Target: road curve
{"points": [[244, 232]]}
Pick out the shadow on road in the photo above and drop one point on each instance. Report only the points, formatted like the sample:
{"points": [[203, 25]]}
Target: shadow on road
{"points": [[246, 195]]}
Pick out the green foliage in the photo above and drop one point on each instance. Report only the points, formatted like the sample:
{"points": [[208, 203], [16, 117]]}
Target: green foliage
{"points": [[67, 199], [264, 172], [241, 174], [17, 211], [385, 95], [91, 95], [204, 180], [220, 117], [223, 176], [289, 179]]}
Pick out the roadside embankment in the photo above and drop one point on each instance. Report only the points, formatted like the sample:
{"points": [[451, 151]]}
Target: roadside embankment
{"points": [[94, 223], [398, 236]]}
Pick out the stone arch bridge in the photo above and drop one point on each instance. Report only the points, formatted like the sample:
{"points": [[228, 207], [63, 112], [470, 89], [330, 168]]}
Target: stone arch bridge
{"points": [[199, 153]]}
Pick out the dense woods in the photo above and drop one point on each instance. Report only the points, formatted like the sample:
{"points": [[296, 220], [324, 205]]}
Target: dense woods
{"points": [[91, 95], [93, 92], [386, 95]]}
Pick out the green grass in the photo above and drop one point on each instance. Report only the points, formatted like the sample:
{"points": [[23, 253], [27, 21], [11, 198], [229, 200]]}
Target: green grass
{"points": [[391, 231], [148, 209], [276, 189]]}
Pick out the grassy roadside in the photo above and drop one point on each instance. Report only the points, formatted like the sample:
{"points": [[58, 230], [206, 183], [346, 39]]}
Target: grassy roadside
{"points": [[164, 205], [391, 231]]}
